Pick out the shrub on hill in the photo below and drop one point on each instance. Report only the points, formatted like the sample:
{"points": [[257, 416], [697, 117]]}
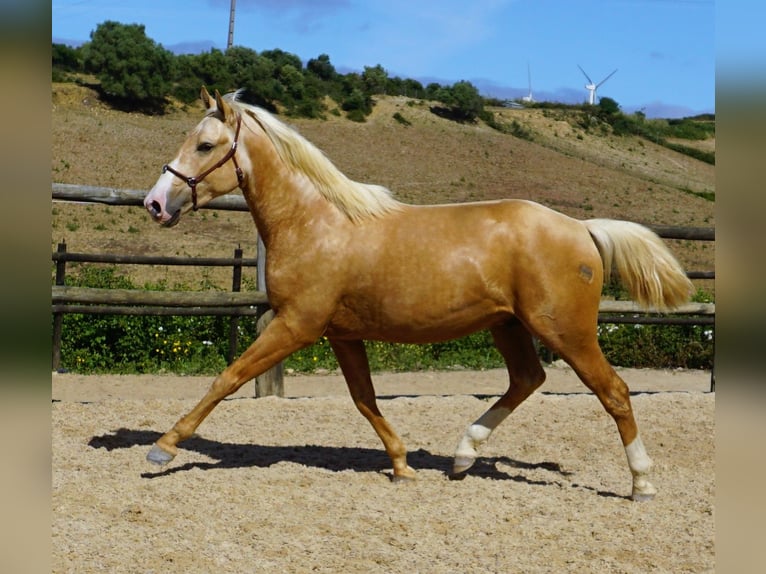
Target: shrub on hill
{"points": [[133, 70]]}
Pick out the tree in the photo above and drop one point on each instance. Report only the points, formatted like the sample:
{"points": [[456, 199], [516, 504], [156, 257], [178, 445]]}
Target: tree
{"points": [[133, 70], [466, 103], [322, 68], [64, 61], [323, 80], [65, 58], [412, 88], [375, 79], [292, 84], [256, 75], [209, 69], [608, 106], [432, 91], [355, 101], [282, 58], [462, 100], [357, 105]]}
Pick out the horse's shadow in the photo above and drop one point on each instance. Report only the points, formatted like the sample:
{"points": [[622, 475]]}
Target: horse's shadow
{"points": [[333, 458]]}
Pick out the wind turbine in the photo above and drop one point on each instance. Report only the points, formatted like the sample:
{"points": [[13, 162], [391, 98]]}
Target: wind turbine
{"points": [[528, 98], [591, 87]]}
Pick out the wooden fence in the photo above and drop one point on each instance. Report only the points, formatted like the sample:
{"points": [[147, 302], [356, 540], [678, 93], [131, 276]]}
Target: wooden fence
{"points": [[234, 304], [97, 301]]}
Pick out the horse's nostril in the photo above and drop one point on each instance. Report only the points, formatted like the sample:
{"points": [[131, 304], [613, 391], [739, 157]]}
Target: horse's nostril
{"points": [[156, 207]]}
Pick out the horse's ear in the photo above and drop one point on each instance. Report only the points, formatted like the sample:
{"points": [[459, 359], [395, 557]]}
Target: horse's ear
{"points": [[205, 97], [224, 109]]}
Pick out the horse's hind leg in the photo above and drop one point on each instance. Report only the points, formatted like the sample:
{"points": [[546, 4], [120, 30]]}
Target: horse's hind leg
{"points": [[525, 374], [588, 361], [352, 358]]}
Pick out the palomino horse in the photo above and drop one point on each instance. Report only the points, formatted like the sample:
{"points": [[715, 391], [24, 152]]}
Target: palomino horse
{"points": [[347, 261]]}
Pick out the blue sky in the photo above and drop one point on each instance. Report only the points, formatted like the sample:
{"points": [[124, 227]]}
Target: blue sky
{"points": [[664, 50]]}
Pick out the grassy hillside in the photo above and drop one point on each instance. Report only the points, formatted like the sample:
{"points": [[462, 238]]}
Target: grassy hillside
{"points": [[425, 159]]}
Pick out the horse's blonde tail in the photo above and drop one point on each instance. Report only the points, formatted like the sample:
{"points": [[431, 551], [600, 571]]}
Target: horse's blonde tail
{"points": [[646, 266]]}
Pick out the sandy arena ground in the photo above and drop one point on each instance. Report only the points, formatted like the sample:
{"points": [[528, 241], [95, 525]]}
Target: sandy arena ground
{"points": [[301, 484]]}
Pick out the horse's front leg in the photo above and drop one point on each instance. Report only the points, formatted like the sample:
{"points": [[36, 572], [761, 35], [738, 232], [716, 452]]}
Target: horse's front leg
{"points": [[352, 358], [278, 341]]}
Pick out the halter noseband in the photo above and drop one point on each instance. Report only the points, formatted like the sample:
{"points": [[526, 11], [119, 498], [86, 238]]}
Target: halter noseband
{"points": [[193, 181]]}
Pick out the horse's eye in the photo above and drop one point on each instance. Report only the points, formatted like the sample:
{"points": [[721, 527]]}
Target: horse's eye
{"points": [[204, 147]]}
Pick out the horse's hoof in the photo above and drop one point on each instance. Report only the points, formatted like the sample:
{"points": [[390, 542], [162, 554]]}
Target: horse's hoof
{"points": [[643, 492], [399, 479], [642, 496], [404, 476], [158, 456], [461, 464]]}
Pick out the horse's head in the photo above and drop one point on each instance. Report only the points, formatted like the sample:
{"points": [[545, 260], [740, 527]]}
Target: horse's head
{"points": [[193, 178]]}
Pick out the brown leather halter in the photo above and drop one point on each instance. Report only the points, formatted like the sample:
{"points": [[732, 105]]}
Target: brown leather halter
{"points": [[192, 182]]}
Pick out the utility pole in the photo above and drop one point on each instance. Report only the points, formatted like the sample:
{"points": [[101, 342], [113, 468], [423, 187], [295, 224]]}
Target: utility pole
{"points": [[231, 25]]}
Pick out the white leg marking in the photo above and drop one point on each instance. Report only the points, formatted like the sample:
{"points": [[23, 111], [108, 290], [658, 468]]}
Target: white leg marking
{"points": [[638, 460], [640, 463], [475, 435]]}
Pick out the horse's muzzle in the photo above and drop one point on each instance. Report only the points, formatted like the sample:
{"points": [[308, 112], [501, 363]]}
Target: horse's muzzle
{"points": [[156, 212], [175, 218]]}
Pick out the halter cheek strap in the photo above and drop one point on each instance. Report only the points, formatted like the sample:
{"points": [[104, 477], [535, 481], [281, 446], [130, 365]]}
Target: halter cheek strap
{"points": [[193, 181]]}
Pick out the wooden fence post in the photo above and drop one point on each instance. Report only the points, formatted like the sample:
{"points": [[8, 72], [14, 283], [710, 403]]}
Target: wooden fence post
{"points": [[236, 285], [272, 381], [260, 268], [58, 318]]}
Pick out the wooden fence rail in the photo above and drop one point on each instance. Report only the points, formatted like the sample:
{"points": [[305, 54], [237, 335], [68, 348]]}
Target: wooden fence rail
{"points": [[102, 301], [234, 304], [112, 196], [226, 300]]}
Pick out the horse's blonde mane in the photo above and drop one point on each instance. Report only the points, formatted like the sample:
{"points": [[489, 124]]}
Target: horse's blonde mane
{"points": [[356, 200]]}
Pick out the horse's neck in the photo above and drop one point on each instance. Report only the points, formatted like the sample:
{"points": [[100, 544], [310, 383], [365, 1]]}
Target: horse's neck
{"points": [[278, 197]]}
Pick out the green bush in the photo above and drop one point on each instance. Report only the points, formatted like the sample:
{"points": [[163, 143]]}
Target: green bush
{"points": [[657, 346], [519, 131], [401, 119], [65, 63], [475, 351], [706, 156], [133, 69], [144, 344], [691, 129], [357, 105]]}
